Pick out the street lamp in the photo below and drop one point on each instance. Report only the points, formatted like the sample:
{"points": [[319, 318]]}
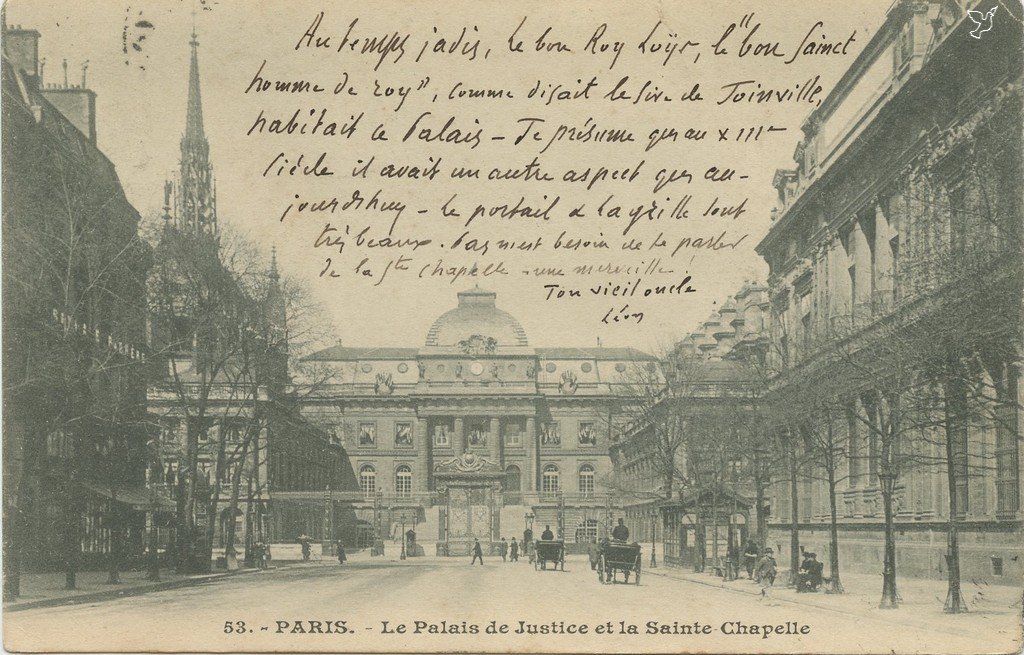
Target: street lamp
{"points": [[402, 556]]}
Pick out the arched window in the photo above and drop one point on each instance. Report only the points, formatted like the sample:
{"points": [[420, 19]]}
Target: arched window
{"points": [[513, 479], [368, 480], [586, 480], [403, 481], [550, 479]]}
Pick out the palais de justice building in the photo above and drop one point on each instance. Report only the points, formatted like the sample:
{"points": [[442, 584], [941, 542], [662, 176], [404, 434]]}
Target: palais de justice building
{"points": [[470, 434]]}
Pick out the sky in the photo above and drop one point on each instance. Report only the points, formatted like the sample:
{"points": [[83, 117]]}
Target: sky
{"points": [[141, 100]]}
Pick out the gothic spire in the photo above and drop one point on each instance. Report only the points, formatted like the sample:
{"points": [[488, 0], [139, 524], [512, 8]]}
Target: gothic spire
{"points": [[194, 120], [196, 199]]}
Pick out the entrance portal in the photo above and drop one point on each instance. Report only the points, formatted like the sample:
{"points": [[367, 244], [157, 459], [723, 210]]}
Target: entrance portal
{"points": [[471, 489]]}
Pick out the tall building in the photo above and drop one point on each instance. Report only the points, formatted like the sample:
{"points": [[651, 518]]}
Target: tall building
{"points": [[74, 435], [895, 259], [476, 434]]}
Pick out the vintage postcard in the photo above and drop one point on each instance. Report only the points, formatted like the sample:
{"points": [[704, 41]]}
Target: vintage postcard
{"points": [[524, 326]]}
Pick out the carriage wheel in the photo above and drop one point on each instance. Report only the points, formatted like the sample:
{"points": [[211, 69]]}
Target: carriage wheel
{"points": [[600, 570]]}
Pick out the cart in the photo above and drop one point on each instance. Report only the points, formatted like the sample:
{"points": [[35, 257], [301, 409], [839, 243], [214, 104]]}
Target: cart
{"points": [[618, 556], [550, 551]]}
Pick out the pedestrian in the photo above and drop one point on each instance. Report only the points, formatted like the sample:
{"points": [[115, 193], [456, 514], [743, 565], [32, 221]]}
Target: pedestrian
{"points": [[304, 542], [340, 552], [260, 552], [503, 549], [592, 553], [478, 553], [766, 569], [514, 550], [531, 551], [750, 557]]}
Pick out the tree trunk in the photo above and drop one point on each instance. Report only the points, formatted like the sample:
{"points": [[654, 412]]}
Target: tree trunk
{"points": [[230, 556], [890, 599], [794, 517], [116, 543], [11, 552], [153, 574], [835, 585], [182, 536], [760, 513], [188, 538], [211, 513], [72, 537], [956, 427]]}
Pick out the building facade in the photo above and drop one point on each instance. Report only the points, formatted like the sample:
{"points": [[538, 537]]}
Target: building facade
{"points": [[682, 468], [895, 259], [73, 331], [477, 433]]}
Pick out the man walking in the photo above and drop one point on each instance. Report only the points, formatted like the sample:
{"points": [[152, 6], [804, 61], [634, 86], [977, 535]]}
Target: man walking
{"points": [[750, 557], [503, 549], [478, 553], [515, 550]]}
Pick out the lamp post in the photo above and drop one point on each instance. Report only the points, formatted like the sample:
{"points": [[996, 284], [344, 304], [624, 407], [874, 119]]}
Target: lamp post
{"points": [[654, 535], [154, 538], [402, 556]]}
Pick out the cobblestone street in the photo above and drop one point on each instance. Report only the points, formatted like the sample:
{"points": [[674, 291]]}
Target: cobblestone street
{"points": [[318, 606]]}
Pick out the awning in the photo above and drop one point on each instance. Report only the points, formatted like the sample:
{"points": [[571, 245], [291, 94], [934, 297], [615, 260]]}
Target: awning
{"points": [[139, 498]]}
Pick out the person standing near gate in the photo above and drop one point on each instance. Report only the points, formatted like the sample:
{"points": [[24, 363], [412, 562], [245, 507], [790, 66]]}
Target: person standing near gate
{"points": [[514, 550], [503, 549], [478, 553]]}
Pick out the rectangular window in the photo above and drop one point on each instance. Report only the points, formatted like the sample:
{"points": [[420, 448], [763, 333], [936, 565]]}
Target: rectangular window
{"points": [[367, 434], [200, 430], [442, 435], [479, 431], [233, 431], [514, 430], [169, 430], [550, 434], [403, 435], [588, 435]]}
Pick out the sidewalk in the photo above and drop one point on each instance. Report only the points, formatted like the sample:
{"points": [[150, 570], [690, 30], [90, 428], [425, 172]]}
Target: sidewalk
{"points": [[921, 603], [47, 589]]}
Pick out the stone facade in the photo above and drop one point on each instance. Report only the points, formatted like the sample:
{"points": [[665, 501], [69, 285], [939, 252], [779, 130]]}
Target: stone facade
{"points": [[545, 416], [895, 266]]}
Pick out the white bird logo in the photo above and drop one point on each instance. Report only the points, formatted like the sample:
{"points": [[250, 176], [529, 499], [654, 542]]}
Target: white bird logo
{"points": [[983, 22]]}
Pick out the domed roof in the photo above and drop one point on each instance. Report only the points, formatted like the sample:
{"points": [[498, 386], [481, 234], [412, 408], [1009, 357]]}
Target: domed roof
{"points": [[476, 316]]}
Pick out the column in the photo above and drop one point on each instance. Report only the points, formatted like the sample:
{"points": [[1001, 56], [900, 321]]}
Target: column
{"points": [[424, 481], [494, 440], [530, 473], [458, 439]]}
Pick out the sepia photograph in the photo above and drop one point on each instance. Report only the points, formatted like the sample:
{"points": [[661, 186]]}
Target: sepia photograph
{"points": [[522, 327]]}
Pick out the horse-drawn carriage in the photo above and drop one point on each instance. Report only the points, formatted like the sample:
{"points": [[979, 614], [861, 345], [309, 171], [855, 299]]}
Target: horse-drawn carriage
{"points": [[550, 551], [618, 556]]}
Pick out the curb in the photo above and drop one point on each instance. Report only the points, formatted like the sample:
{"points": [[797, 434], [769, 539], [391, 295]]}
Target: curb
{"points": [[124, 592], [793, 601]]}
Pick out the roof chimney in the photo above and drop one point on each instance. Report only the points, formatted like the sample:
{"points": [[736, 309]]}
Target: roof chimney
{"points": [[76, 104], [22, 49]]}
